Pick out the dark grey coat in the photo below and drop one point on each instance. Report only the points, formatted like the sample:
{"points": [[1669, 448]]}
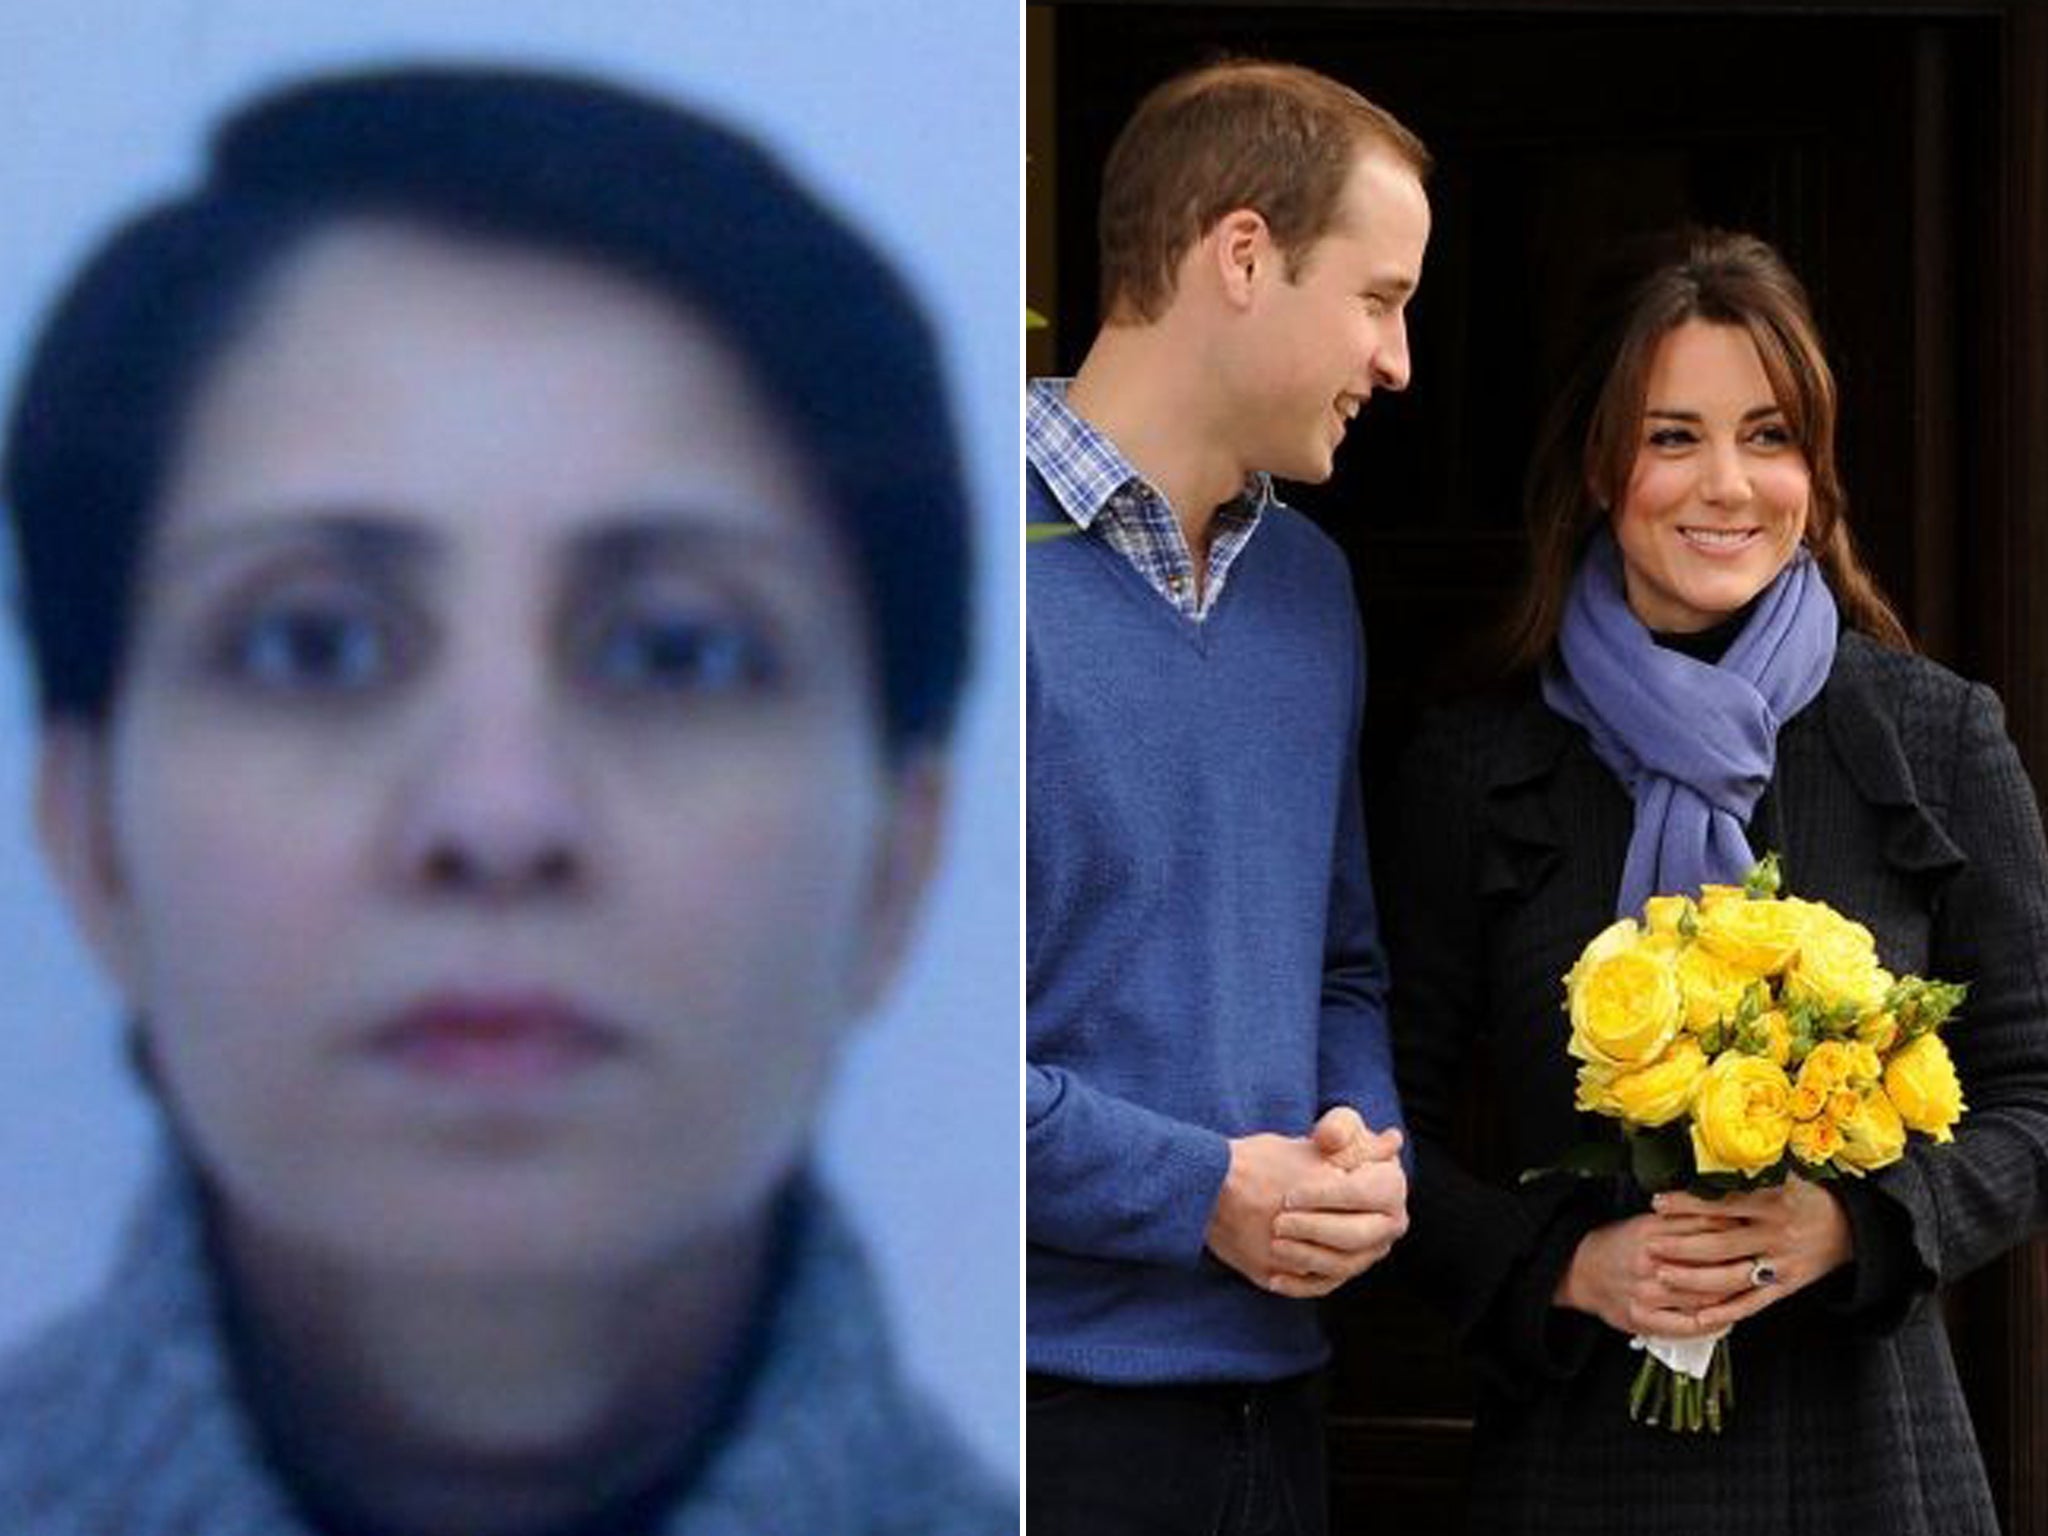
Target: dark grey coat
{"points": [[1899, 799]]}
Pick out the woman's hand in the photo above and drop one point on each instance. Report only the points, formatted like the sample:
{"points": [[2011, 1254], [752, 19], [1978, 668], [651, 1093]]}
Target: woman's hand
{"points": [[1615, 1276], [1797, 1228]]}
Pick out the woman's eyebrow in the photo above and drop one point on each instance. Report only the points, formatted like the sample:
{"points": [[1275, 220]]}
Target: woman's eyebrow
{"points": [[386, 541], [363, 538], [680, 536], [1674, 413]]}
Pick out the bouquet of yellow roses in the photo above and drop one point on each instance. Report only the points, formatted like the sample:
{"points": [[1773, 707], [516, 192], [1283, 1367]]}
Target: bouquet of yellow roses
{"points": [[1740, 1039]]}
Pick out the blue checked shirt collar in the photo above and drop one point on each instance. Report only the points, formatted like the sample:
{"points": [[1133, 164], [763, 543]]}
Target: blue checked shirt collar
{"points": [[1097, 487]]}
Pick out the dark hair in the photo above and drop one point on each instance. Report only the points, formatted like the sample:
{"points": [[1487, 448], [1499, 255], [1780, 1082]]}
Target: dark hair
{"points": [[659, 195], [1588, 443], [1242, 133]]}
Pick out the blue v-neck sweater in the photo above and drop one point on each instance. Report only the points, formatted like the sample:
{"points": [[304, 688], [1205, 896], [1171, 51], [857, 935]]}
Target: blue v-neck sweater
{"points": [[1202, 956]]}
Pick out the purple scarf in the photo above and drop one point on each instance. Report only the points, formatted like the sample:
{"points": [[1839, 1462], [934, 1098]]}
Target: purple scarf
{"points": [[1693, 743]]}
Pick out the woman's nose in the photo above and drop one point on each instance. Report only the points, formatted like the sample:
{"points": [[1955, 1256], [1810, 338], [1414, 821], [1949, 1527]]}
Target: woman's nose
{"points": [[1724, 481], [491, 806]]}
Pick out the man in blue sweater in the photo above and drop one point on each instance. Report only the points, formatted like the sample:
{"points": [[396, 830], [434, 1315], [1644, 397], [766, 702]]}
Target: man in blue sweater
{"points": [[1212, 1128]]}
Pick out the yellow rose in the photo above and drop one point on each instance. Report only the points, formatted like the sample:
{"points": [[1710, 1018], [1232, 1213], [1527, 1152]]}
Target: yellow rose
{"points": [[1663, 914], [1807, 1101], [1815, 1141], [1874, 1135], [1593, 1097], [1654, 1095], [1759, 937], [1836, 963], [1741, 1116], [1712, 988], [1617, 938], [1828, 1066], [1824, 925], [1880, 1032], [1624, 1000], [1921, 1080]]}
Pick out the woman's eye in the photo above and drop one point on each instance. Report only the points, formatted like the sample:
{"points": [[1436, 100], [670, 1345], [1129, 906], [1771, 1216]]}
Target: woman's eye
{"points": [[1773, 435], [1671, 437], [312, 648], [681, 654]]}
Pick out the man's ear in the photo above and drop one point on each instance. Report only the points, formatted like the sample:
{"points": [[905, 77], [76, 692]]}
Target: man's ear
{"points": [[906, 855], [74, 824], [1239, 242]]}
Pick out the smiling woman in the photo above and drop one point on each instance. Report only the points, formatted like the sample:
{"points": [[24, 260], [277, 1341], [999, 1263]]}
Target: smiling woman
{"points": [[494, 675], [1706, 673], [1716, 501]]}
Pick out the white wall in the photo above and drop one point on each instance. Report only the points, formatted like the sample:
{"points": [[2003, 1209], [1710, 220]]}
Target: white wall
{"points": [[906, 112]]}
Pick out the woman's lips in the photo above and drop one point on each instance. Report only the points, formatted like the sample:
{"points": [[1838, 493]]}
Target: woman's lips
{"points": [[1719, 541], [495, 1039]]}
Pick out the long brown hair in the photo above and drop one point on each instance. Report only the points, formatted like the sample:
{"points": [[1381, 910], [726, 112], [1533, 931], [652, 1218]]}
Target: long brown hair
{"points": [[1587, 446]]}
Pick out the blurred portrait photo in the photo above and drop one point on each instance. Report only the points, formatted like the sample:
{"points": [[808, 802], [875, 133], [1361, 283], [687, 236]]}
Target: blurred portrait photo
{"points": [[513, 756]]}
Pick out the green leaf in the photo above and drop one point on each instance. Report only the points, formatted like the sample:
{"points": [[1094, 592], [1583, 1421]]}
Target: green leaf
{"points": [[1660, 1159], [1756, 999], [1939, 1002], [1765, 881], [1802, 1036]]}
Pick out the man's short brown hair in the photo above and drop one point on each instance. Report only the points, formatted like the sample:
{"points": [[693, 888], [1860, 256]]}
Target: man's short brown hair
{"points": [[1243, 133]]}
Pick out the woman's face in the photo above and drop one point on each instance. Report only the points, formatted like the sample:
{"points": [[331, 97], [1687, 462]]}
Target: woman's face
{"points": [[492, 826], [1717, 498]]}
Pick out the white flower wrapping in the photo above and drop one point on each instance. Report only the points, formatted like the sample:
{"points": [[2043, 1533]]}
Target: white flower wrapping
{"points": [[1688, 1357]]}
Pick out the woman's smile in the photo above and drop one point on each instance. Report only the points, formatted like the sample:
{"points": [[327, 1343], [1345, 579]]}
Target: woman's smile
{"points": [[1720, 541]]}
